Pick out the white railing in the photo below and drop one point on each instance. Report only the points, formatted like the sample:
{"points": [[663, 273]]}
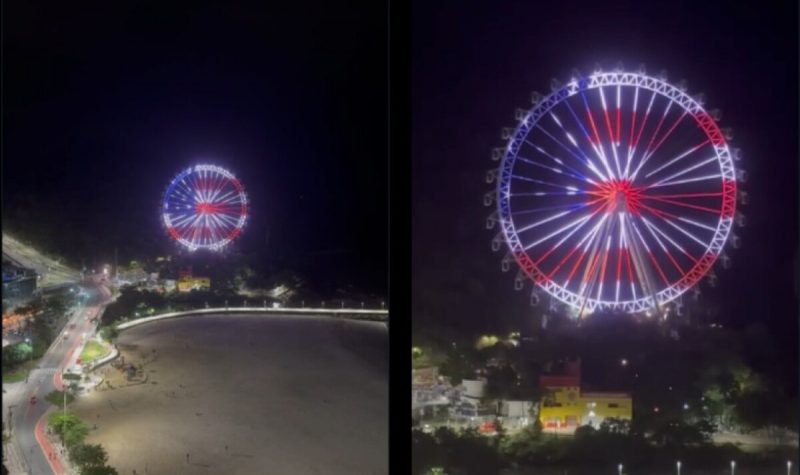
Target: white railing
{"points": [[382, 315]]}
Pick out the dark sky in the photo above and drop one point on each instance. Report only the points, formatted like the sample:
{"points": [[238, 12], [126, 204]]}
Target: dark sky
{"points": [[104, 104], [476, 62]]}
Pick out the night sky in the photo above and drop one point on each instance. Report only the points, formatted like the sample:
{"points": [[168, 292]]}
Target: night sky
{"points": [[476, 62], [103, 105]]}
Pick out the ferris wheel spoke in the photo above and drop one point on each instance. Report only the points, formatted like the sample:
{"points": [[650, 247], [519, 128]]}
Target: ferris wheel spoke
{"points": [[543, 209], [552, 169], [217, 185], [226, 219], [553, 234], [684, 171], [634, 104], [670, 220], [669, 239], [586, 243], [649, 252], [559, 162], [679, 157], [596, 144], [603, 269], [681, 203], [183, 221], [588, 162], [546, 183], [662, 246], [652, 151], [632, 150], [584, 160], [619, 117], [627, 255], [653, 136], [562, 241], [611, 138], [715, 176]]}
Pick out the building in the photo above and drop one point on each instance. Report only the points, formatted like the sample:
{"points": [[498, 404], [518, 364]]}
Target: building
{"points": [[19, 284], [193, 283], [566, 406], [187, 282]]}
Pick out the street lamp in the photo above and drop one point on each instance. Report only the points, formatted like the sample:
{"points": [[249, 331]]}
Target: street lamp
{"points": [[678, 466], [619, 469], [383, 304], [29, 341], [64, 390], [788, 467], [362, 305], [733, 467]]}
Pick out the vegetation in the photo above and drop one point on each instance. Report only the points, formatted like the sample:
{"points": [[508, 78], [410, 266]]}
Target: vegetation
{"points": [[47, 314], [467, 452], [92, 351], [56, 398], [87, 456], [68, 427], [680, 375], [104, 470], [135, 303], [18, 372], [109, 333], [90, 459]]}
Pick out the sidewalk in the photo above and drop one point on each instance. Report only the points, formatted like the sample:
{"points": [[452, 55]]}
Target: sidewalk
{"points": [[14, 461]]}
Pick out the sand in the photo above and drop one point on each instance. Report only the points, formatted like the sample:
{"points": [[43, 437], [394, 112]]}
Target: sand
{"points": [[286, 395]]}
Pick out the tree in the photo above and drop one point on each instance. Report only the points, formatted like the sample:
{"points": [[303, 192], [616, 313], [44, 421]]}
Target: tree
{"points": [[425, 452], [502, 382], [56, 398], [104, 470], [110, 333], [69, 427], [56, 305], [88, 455], [15, 354], [613, 425]]}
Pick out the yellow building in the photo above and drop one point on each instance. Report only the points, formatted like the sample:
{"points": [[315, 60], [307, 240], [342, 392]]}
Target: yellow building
{"points": [[568, 408], [187, 284], [565, 406]]}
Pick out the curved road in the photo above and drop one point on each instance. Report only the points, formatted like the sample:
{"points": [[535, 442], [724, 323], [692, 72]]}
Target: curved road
{"points": [[28, 421]]}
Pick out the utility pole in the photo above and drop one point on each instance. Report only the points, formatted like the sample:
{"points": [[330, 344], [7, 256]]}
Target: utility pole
{"points": [[116, 265]]}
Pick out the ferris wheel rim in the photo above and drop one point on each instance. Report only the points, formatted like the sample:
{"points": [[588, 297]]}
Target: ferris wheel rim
{"points": [[675, 96], [234, 225]]}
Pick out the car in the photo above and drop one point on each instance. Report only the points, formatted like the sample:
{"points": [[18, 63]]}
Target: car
{"points": [[33, 399]]}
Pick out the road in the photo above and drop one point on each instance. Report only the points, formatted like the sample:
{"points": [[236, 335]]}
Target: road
{"points": [[52, 272], [27, 420]]}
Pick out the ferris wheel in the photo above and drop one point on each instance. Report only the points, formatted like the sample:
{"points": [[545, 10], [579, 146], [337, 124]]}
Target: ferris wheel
{"points": [[204, 207], [617, 191]]}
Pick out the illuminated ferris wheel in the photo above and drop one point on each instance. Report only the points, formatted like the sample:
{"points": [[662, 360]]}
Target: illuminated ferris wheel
{"points": [[204, 207], [617, 191]]}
